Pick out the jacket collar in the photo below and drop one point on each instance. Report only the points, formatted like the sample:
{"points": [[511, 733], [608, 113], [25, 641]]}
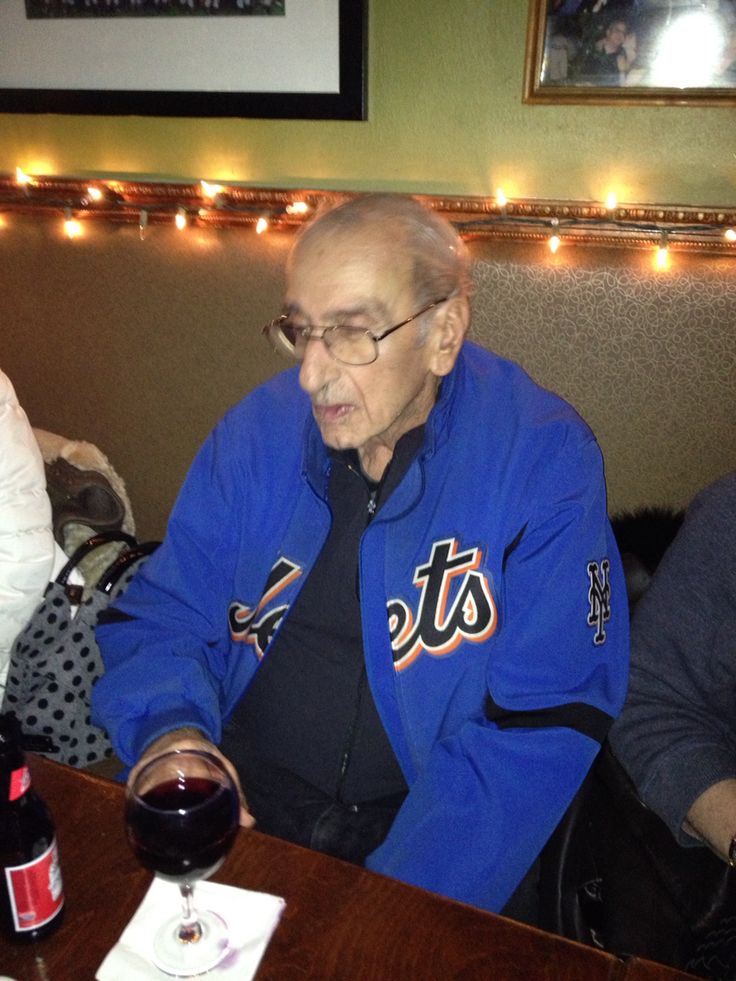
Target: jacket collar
{"points": [[316, 457]]}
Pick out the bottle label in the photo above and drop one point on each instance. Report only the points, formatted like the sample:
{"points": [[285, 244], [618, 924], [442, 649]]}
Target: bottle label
{"points": [[20, 781], [35, 890]]}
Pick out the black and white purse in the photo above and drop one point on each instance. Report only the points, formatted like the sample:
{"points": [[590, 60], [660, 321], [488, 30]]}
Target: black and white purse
{"points": [[55, 660]]}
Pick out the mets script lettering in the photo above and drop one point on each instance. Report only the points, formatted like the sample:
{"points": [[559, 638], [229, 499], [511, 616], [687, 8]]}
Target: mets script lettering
{"points": [[455, 604], [254, 626]]}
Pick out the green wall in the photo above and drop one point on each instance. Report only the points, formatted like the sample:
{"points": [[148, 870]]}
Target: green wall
{"points": [[445, 117]]}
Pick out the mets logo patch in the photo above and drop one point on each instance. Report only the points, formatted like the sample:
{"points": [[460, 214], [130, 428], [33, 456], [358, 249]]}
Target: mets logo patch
{"points": [[599, 598]]}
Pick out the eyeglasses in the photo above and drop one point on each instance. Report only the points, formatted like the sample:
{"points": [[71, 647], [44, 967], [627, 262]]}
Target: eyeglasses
{"points": [[348, 345]]}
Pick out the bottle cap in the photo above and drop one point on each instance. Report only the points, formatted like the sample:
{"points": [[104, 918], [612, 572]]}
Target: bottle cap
{"points": [[10, 731]]}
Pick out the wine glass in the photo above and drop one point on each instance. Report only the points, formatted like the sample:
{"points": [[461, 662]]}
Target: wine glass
{"points": [[181, 814]]}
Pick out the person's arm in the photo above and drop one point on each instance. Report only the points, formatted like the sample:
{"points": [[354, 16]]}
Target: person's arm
{"points": [[166, 643], [491, 793], [173, 670], [712, 817], [676, 735], [162, 645], [26, 536], [627, 54]]}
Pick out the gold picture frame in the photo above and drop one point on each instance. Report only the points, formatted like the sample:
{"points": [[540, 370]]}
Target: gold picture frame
{"points": [[631, 52]]}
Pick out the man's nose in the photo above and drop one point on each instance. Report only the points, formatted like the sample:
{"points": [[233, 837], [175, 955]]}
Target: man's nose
{"points": [[318, 366]]}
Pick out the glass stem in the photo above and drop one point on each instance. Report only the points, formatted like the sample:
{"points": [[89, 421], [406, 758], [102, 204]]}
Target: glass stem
{"points": [[190, 930]]}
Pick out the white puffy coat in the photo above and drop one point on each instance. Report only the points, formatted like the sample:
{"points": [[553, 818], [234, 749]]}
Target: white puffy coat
{"points": [[26, 536]]}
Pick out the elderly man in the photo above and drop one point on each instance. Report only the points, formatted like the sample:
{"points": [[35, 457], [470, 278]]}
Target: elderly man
{"points": [[389, 592]]}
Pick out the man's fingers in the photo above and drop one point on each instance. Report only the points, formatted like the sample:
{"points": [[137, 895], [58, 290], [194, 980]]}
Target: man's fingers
{"points": [[246, 818], [193, 739]]}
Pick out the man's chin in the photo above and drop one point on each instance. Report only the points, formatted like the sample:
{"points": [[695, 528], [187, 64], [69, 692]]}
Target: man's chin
{"points": [[337, 433], [336, 440]]}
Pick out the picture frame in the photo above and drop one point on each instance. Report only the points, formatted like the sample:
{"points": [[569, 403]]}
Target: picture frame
{"points": [[631, 52], [309, 63]]}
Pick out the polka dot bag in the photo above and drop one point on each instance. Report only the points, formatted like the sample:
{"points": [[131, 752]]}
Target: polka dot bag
{"points": [[55, 660]]}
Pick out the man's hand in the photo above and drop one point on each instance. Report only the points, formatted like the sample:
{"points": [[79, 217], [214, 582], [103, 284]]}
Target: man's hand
{"points": [[193, 739], [712, 816], [629, 47]]}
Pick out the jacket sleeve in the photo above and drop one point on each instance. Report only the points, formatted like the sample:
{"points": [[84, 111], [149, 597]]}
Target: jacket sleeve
{"points": [[26, 537], [170, 660], [164, 644], [491, 792], [676, 734]]}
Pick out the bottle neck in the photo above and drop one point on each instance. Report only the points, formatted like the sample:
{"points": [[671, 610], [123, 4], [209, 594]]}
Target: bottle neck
{"points": [[15, 778]]}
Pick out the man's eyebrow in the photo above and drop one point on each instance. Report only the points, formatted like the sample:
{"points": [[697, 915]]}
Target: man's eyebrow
{"points": [[375, 309]]}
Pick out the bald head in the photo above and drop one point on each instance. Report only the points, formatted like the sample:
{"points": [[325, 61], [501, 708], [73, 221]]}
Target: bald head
{"points": [[422, 242], [384, 270]]}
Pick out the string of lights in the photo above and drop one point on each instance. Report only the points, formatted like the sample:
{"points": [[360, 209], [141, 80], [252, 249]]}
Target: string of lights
{"points": [[77, 202]]}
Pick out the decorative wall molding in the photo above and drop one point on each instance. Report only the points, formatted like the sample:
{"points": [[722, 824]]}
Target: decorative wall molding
{"points": [[676, 227]]}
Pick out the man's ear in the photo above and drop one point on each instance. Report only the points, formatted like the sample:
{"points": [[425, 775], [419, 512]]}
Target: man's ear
{"points": [[448, 333]]}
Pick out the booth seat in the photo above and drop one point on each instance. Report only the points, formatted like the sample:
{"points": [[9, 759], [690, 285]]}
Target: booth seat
{"points": [[140, 346]]}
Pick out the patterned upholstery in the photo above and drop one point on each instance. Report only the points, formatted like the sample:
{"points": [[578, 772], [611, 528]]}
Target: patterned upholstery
{"points": [[140, 346], [649, 360]]}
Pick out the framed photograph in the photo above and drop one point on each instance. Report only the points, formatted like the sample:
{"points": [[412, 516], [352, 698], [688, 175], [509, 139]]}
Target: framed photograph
{"points": [[656, 52], [273, 59]]}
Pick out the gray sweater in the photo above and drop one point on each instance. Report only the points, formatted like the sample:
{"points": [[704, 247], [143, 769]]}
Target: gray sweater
{"points": [[677, 733]]}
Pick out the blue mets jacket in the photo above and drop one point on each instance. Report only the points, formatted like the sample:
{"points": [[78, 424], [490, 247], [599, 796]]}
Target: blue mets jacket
{"points": [[493, 606]]}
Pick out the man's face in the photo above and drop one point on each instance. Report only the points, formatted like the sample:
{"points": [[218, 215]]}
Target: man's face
{"points": [[615, 35], [362, 279]]}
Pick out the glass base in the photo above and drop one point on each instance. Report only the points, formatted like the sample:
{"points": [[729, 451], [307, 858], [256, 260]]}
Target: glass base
{"points": [[182, 959]]}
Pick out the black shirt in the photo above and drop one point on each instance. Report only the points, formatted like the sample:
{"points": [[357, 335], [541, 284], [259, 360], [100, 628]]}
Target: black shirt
{"points": [[307, 727]]}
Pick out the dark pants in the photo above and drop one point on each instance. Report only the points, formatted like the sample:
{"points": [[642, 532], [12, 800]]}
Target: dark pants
{"points": [[347, 831], [352, 831]]}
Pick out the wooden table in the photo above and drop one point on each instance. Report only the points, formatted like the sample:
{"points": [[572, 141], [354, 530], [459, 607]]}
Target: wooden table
{"points": [[341, 923]]}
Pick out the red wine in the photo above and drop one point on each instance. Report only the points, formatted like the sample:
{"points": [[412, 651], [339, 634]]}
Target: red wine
{"points": [[182, 830]]}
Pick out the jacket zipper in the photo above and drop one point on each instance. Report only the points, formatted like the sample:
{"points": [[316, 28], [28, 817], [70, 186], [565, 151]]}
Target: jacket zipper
{"points": [[350, 738]]}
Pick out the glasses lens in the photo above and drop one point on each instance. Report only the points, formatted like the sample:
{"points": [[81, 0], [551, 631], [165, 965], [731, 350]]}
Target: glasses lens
{"points": [[286, 338], [351, 345]]}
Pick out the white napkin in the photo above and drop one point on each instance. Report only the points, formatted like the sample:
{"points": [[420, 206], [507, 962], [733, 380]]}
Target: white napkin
{"points": [[251, 918]]}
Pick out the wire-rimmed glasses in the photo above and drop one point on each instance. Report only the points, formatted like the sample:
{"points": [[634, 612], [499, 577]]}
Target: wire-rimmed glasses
{"points": [[348, 345]]}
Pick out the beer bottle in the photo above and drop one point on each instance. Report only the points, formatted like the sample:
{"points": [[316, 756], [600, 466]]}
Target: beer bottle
{"points": [[31, 891]]}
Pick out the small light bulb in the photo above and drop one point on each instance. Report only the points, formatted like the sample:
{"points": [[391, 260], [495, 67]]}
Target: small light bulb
{"points": [[142, 223], [501, 199], [181, 219], [261, 226], [611, 201], [663, 252], [94, 192], [730, 235], [71, 226], [297, 208], [554, 243], [210, 191], [21, 177]]}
